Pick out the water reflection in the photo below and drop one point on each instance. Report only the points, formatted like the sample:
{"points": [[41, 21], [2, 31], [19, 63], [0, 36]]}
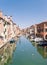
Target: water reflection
{"points": [[6, 53], [42, 48]]}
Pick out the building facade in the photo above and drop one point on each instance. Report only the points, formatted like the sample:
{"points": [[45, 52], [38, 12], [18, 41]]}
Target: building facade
{"points": [[42, 30], [7, 28]]}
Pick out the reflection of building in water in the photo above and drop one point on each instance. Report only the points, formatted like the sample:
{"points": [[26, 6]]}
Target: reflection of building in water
{"points": [[42, 51], [45, 51], [6, 53]]}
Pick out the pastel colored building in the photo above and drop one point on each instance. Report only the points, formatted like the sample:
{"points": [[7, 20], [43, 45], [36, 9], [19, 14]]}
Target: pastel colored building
{"points": [[1, 28], [7, 28]]}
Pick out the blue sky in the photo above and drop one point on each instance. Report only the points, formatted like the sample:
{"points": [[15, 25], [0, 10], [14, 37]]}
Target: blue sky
{"points": [[25, 12]]}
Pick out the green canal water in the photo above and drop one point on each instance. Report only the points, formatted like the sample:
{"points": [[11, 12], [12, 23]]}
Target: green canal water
{"points": [[27, 54]]}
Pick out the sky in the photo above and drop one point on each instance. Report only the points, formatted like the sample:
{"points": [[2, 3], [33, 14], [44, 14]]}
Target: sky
{"points": [[25, 12]]}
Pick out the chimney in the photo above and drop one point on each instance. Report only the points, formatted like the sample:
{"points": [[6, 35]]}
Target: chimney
{"points": [[1, 14]]}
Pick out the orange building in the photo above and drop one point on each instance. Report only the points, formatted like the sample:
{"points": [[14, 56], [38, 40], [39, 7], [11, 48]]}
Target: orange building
{"points": [[41, 30], [37, 31]]}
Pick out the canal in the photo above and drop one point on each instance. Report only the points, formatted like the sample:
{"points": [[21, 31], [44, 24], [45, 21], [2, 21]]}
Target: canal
{"points": [[27, 54]]}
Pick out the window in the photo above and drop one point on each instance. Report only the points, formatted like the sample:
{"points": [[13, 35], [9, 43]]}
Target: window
{"points": [[41, 30], [1, 37], [4, 31], [8, 23], [46, 36], [46, 30], [4, 23]]}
